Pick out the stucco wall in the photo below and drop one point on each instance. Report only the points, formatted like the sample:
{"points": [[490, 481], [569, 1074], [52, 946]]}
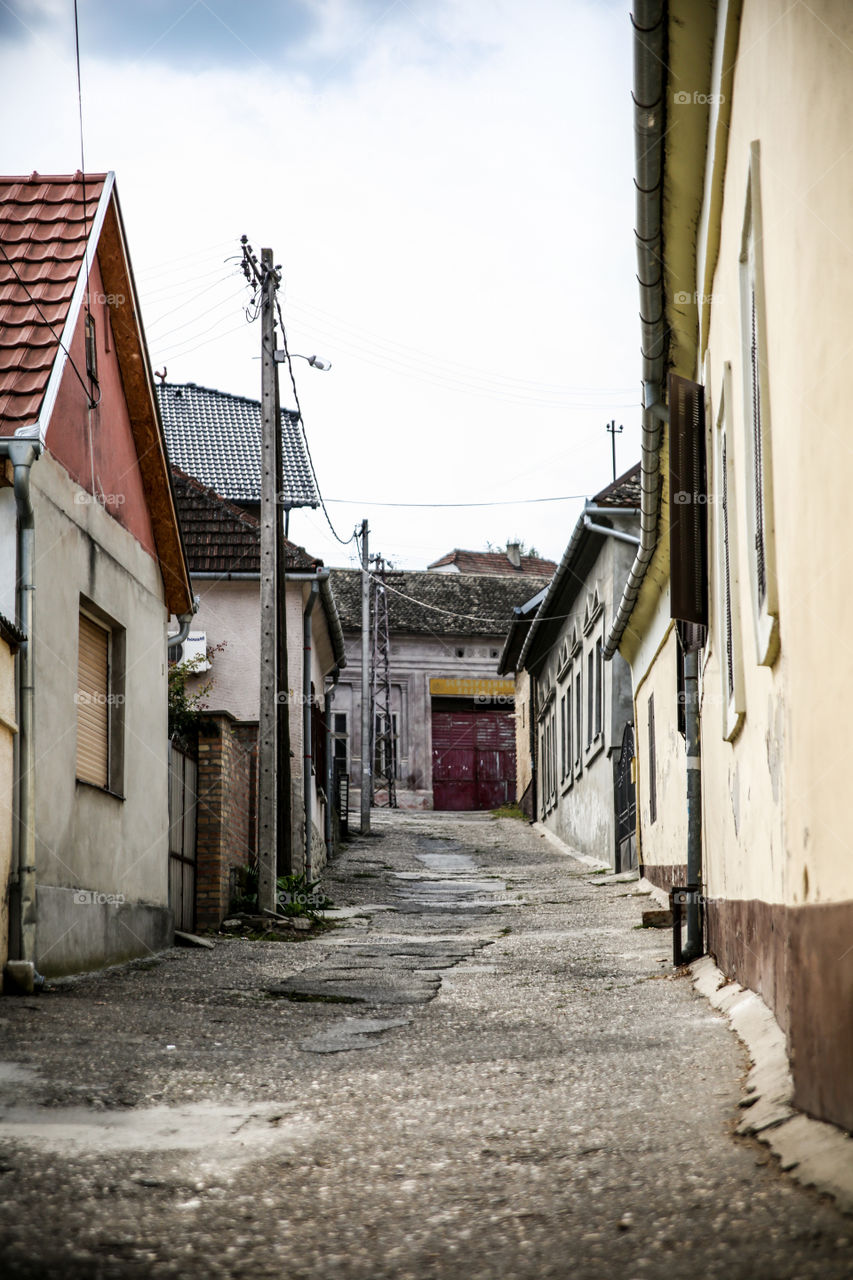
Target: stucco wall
{"points": [[780, 837], [581, 809], [86, 839]]}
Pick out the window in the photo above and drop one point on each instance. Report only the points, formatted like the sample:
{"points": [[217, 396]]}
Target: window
{"points": [[569, 731], [653, 794], [385, 750], [91, 347], [100, 702], [599, 689], [564, 762], [727, 595], [578, 720], [590, 694], [759, 487], [340, 734]]}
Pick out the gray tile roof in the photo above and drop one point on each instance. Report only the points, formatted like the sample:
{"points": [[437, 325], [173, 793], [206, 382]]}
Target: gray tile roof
{"points": [[216, 438], [451, 604]]}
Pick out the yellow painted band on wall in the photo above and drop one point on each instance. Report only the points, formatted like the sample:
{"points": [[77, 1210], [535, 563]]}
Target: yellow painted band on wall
{"points": [[458, 687]]}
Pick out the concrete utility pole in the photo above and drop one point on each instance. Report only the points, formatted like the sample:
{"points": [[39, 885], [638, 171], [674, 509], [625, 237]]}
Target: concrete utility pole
{"points": [[366, 735], [273, 729], [614, 432]]}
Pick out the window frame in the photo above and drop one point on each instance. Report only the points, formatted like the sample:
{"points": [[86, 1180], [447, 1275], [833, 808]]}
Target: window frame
{"points": [[115, 700], [759, 490], [728, 631]]}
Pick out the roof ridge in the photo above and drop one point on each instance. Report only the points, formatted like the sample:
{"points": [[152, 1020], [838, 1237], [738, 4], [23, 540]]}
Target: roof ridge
{"points": [[229, 395]]}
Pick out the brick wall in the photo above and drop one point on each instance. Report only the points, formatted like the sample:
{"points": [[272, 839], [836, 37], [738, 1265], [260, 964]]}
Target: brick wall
{"points": [[227, 824]]}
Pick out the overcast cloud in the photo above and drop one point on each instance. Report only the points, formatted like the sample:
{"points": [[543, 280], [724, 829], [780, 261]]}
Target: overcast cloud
{"points": [[448, 187]]}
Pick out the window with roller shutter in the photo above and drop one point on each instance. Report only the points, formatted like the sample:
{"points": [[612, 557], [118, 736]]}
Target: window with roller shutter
{"points": [[93, 706]]}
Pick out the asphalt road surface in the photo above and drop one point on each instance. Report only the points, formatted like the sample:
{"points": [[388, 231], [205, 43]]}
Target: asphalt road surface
{"points": [[485, 1069]]}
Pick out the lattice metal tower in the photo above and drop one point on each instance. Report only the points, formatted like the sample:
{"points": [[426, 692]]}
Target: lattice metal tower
{"points": [[382, 719]]}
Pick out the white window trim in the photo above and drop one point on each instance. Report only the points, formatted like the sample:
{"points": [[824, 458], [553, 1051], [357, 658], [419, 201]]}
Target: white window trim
{"points": [[734, 704], [765, 612]]}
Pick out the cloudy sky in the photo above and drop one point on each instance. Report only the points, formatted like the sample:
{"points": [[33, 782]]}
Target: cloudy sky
{"points": [[447, 185]]}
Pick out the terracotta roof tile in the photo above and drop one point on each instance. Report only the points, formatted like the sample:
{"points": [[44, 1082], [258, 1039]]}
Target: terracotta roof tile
{"points": [[493, 562], [219, 537], [43, 231]]}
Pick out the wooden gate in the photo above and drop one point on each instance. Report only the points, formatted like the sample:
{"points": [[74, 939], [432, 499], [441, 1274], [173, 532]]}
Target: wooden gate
{"points": [[473, 759], [183, 805], [626, 804]]}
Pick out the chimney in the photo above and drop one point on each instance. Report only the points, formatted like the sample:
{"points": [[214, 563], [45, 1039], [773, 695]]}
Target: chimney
{"points": [[513, 554]]}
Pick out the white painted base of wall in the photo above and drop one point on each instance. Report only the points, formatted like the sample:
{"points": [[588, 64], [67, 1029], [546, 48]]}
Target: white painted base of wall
{"points": [[814, 1153]]}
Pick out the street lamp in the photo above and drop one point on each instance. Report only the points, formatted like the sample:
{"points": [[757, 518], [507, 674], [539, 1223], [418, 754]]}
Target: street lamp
{"points": [[316, 361]]}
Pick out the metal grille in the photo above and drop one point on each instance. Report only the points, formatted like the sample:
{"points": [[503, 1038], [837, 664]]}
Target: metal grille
{"points": [[626, 801], [653, 793]]}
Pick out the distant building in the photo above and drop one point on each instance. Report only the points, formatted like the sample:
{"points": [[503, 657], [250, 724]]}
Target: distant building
{"points": [[579, 710], [497, 562], [453, 721]]}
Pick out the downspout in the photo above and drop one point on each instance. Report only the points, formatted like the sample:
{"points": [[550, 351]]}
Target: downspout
{"points": [[307, 754], [330, 764], [22, 453], [650, 39], [185, 621], [607, 532]]}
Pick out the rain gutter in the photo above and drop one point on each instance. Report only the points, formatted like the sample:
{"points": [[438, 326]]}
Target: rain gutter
{"points": [[650, 40], [22, 450]]}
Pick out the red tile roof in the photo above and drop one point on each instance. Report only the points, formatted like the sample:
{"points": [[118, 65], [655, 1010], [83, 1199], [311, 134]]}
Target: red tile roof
{"points": [[219, 537], [44, 228], [493, 562]]}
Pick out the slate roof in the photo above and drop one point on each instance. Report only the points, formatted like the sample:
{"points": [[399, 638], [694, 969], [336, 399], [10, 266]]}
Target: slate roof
{"points": [[43, 232], [496, 562], [623, 492], [463, 604], [219, 537], [216, 438]]}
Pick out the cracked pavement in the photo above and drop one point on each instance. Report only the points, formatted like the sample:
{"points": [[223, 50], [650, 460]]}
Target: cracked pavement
{"points": [[484, 1069]]}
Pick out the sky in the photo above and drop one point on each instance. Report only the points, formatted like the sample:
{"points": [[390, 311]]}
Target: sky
{"points": [[448, 188]]}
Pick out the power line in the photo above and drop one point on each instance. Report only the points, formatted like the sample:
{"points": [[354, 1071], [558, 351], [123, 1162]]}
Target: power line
{"points": [[434, 506], [353, 536]]}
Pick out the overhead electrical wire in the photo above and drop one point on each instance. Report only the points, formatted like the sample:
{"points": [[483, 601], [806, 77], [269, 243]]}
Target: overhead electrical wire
{"points": [[505, 502]]}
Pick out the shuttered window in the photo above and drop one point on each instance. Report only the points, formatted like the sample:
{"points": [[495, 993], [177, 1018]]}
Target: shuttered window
{"points": [[93, 705], [688, 499]]}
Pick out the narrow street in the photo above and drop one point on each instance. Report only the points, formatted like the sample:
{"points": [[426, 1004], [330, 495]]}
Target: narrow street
{"points": [[485, 1069]]}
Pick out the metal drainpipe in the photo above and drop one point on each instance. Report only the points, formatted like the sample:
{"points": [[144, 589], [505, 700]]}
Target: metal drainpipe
{"points": [[22, 454], [186, 621], [695, 947], [610, 533], [327, 716], [306, 719]]}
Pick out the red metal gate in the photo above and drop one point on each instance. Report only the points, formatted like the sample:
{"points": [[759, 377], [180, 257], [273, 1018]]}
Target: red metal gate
{"points": [[473, 759]]}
